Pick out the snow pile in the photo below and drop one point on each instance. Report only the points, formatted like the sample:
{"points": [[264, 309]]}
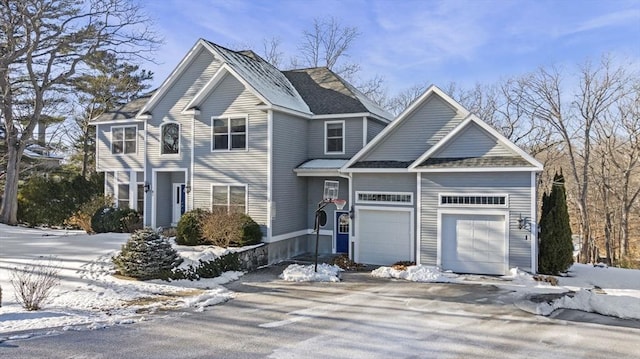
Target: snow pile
{"points": [[416, 274], [590, 301], [88, 295], [306, 273]]}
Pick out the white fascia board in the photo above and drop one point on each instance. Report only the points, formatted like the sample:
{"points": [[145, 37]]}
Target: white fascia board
{"points": [[374, 170], [405, 114], [120, 122], [175, 74], [350, 115], [508, 143], [301, 172], [440, 143], [284, 110], [477, 169], [207, 88]]}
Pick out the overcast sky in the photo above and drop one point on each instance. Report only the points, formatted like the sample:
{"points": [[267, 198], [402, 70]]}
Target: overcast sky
{"points": [[411, 42]]}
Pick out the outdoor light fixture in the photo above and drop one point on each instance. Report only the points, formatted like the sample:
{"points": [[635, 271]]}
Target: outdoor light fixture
{"points": [[146, 187], [188, 189], [524, 223]]}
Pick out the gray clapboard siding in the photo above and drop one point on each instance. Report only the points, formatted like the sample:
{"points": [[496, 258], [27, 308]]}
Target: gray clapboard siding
{"points": [[515, 184], [374, 127], [353, 137], [170, 107], [247, 167], [473, 141], [423, 128], [289, 192], [108, 161], [315, 187]]}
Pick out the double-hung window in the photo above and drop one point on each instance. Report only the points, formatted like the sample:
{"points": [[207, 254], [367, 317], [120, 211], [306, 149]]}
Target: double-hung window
{"points": [[229, 133], [123, 139], [334, 137], [170, 138], [232, 198]]}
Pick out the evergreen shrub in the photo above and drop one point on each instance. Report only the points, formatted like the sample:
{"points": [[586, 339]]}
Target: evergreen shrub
{"points": [[118, 220], [189, 229], [147, 255], [556, 246]]}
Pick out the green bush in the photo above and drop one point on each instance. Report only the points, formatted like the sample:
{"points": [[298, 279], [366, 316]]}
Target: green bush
{"points": [[189, 229], [147, 255], [556, 247], [119, 220], [51, 200], [210, 269], [82, 218], [230, 229]]}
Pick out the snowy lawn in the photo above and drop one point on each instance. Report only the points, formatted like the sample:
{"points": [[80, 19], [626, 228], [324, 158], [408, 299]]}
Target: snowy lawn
{"points": [[88, 295], [604, 290]]}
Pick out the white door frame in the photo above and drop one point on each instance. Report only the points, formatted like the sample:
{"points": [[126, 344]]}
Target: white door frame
{"points": [[154, 192], [474, 212], [412, 233]]}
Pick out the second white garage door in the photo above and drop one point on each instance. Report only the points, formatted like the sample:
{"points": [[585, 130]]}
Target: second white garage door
{"points": [[473, 243], [384, 237]]}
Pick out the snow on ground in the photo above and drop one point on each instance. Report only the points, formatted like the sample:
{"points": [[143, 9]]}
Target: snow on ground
{"points": [[307, 273], [604, 290], [88, 295]]}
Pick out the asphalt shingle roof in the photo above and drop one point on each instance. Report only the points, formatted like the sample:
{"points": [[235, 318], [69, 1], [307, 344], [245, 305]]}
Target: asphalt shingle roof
{"points": [[381, 164], [327, 93], [491, 161], [126, 111]]}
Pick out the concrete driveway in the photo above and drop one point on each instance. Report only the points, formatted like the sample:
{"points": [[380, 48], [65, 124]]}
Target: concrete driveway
{"points": [[360, 317]]}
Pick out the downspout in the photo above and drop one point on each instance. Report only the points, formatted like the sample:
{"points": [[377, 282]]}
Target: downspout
{"points": [[145, 178], [269, 174]]}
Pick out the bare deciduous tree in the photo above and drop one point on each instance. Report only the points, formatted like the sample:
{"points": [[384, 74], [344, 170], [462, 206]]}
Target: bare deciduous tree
{"points": [[44, 45]]}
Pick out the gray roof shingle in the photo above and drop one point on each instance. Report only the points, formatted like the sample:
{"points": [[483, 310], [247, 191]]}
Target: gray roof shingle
{"points": [[381, 164], [126, 111], [492, 161], [327, 93]]}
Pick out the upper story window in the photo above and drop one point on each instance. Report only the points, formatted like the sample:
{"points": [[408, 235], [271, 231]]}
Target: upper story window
{"points": [[124, 139], [232, 198], [334, 137], [170, 138], [229, 133]]}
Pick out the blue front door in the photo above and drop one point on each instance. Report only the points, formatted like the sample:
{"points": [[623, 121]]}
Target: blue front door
{"points": [[342, 232]]}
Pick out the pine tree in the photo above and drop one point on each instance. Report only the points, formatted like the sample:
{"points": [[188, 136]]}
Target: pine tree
{"points": [[147, 255], [556, 246]]}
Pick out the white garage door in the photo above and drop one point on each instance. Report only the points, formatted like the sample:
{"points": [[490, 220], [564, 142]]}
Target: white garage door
{"points": [[474, 243], [384, 237]]}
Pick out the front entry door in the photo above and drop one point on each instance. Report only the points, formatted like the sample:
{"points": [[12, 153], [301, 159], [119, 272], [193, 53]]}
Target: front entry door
{"points": [[178, 202], [342, 232]]}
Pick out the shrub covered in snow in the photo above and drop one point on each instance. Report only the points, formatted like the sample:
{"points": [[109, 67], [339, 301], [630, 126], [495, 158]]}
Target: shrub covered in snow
{"points": [[225, 229], [189, 229], [208, 269], [147, 255]]}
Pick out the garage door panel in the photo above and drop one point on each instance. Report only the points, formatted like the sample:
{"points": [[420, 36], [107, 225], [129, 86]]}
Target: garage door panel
{"points": [[384, 237], [473, 243]]}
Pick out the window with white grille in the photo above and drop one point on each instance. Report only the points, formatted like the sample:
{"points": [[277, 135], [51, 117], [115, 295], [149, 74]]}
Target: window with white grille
{"points": [[385, 197], [479, 200]]}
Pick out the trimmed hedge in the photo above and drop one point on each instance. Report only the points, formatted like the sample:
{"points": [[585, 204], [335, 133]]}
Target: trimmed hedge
{"points": [[230, 229], [210, 269], [189, 229]]}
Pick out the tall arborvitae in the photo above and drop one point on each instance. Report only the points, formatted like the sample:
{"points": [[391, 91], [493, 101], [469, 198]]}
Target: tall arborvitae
{"points": [[556, 247]]}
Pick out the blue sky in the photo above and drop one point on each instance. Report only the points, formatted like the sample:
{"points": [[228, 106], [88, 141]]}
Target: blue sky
{"points": [[412, 42]]}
